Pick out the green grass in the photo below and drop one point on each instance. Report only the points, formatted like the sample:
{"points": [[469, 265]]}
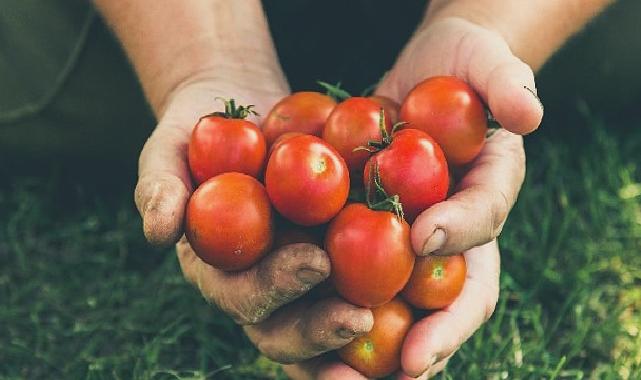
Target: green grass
{"points": [[83, 297]]}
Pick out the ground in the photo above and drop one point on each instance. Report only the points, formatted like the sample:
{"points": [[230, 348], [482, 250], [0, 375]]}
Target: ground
{"points": [[83, 296]]}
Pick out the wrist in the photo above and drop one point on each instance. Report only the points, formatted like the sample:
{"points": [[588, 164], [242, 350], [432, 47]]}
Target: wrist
{"points": [[234, 76]]}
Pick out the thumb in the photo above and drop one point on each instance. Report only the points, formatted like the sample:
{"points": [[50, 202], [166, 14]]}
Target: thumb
{"points": [[504, 81], [164, 184]]}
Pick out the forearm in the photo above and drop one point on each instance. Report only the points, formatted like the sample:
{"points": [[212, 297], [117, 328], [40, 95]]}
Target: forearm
{"points": [[534, 30], [173, 42]]}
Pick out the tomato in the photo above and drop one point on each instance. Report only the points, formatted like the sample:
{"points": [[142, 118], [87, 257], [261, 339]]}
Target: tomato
{"points": [[307, 180], [378, 353], [353, 124], [413, 167], [370, 253], [229, 221], [303, 112], [282, 138], [436, 281], [392, 109], [224, 142], [452, 113]]}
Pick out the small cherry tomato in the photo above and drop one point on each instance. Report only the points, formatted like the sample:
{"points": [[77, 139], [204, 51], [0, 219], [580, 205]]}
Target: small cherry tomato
{"points": [[225, 142], [436, 281], [280, 139], [229, 221], [371, 254], [303, 112], [378, 353], [353, 124], [307, 180], [451, 112], [413, 167], [392, 109]]}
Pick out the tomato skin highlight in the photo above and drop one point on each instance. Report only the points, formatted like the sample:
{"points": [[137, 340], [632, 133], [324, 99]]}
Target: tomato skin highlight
{"points": [[229, 221], [392, 109], [304, 112], [307, 180], [436, 281], [413, 166], [378, 353], [371, 254], [219, 145], [451, 112], [352, 124]]}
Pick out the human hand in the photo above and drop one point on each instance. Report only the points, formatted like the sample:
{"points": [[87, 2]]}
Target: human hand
{"points": [[487, 188], [295, 332]]}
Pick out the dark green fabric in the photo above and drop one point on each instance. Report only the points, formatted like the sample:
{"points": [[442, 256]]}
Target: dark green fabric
{"points": [[67, 90]]}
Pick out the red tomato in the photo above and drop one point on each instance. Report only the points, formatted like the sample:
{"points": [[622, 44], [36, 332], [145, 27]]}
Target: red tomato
{"points": [[452, 113], [413, 167], [392, 109], [353, 124], [280, 139], [229, 221], [436, 281], [371, 254], [307, 180], [224, 142], [303, 112], [378, 353]]}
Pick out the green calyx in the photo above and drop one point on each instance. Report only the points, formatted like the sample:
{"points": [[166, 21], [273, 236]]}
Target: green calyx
{"points": [[334, 91], [377, 198], [233, 111], [386, 138]]}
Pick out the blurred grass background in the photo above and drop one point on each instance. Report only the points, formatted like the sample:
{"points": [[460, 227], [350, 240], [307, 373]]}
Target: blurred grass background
{"points": [[83, 296]]}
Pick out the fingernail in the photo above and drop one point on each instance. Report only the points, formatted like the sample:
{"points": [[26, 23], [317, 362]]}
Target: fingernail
{"points": [[434, 242], [346, 333], [535, 94], [310, 277]]}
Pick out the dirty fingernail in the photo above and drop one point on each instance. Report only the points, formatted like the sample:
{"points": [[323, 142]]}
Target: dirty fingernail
{"points": [[346, 333], [309, 276], [434, 242], [535, 94]]}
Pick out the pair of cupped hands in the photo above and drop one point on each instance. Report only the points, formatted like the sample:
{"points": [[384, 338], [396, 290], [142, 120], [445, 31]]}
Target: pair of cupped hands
{"points": [[268, 300]]}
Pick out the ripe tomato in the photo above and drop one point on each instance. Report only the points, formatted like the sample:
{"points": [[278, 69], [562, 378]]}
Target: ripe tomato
{"points": [[436, 281], [392, 109], [307, 180], [280, 139], [229, 221], [413, 167], [452, 113], [224, 142], [378, 353], [303, 112], [353, 124], [371, 254]]}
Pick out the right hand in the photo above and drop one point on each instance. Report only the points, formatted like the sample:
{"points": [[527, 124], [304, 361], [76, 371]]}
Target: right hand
{"points": [[301, 330]]}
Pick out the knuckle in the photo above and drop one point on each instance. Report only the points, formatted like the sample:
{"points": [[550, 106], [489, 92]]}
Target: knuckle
{"points": [[187, 260], [499, 212], [241, 313]]}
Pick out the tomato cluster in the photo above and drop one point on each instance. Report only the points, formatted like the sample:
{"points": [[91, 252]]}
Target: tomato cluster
{"points": [[289, 181]]}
